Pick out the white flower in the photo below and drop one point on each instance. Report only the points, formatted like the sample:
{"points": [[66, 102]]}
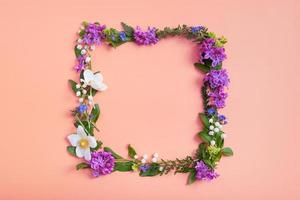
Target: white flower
{"points": [[79, 41], [79, 46], [155, 155], [160, 168], [94, 80], [154, 160], [77, 86], [216, 130], [90, 98], [83, 143], [143, 161], [145, 156], [78, 93], [211, 133], [136, 156], [84, 91], [217, 124], [211, 120], [83, 51], [212, 143], [88, 59], [211, 128]]}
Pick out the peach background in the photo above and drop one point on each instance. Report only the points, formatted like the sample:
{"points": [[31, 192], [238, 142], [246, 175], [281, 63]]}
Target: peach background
{"points": [[152, 101]]}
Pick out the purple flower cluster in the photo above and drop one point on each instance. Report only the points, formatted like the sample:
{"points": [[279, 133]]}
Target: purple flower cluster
{"points": [[217, 80], [196, 29], [82, 108], [208, 50], [203, 172], [80, 63], [102, 163], [93, 34], [145, 38]]}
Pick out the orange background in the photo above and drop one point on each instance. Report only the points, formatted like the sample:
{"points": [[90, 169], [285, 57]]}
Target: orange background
{"points": [[152, 100]]}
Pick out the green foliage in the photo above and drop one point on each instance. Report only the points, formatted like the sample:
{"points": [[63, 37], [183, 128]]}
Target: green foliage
{"points": [[71, 150], [191, 177], [131, 151], [128, 30], [123, 166], [152, 171], [73, 85], [204, 120], [202, 67], [82, 165], [227, 151], [115, 155], [113, 37], [205, 137], [77, 52], [88, 127], [95, 113]]}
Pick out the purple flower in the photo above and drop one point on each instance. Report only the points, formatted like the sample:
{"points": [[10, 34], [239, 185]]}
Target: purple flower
{"points": [[217, 78], [144, 168], [203, 172], [222, 119], [145, 38], [211, 111], [93, 34], [208, 50], [196, 29], [80, 63], [122, 36], [218, 97], [102, 163], [82, 108]]}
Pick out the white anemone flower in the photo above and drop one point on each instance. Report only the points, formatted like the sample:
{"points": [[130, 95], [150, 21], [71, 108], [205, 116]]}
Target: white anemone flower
{"points": [[94, 80], [83, 143]]}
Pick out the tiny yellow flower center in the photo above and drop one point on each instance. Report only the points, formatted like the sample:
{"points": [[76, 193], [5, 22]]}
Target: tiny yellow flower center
{"points": [[83, 143]]}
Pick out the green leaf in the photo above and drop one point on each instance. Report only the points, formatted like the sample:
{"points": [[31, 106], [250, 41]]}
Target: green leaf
{"points": [[218, 67], [202, 67], [99, 144], [127, 29], [77, 52], [204, 119], [152, 171], [82, 165], [201, 151], [95, 113], [73, 85], [88, 127], [123, 166], [192, 177], [131, 151], [115, 155], [204, 136], [71, 150], [227, 151]]}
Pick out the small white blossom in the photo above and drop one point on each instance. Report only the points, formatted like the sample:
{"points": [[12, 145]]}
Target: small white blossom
{"points": [[77, 86], [211, 133], [216, 130], [143, 161], [79, 41], [84, 91], [217, 124], [145, 156], [79, 46], [136, 156], [155, 155], [80, 100], [90, 98], [212, 143], [160, 168], [83, 51], [78, 93], [211, 120], [88, 59], [154, 160], [211, 127]]}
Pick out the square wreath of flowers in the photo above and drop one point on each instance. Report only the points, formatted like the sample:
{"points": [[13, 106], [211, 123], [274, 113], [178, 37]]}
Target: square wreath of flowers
{"points": [[103, 160]]}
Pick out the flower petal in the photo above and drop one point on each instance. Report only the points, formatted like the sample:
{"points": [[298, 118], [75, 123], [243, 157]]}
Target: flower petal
{"points": [[81, 132], [80, 152], [99, 86], [87, 154], [103, 87], [98, 77], [73, 139], [92, 141], [88, 76]]}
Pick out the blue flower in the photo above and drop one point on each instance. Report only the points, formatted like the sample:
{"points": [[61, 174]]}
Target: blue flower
{"points": [[222, 119], [196, 29], [144, 168], [122, 36], [112, 37], [211, 111], [82, 108]]}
